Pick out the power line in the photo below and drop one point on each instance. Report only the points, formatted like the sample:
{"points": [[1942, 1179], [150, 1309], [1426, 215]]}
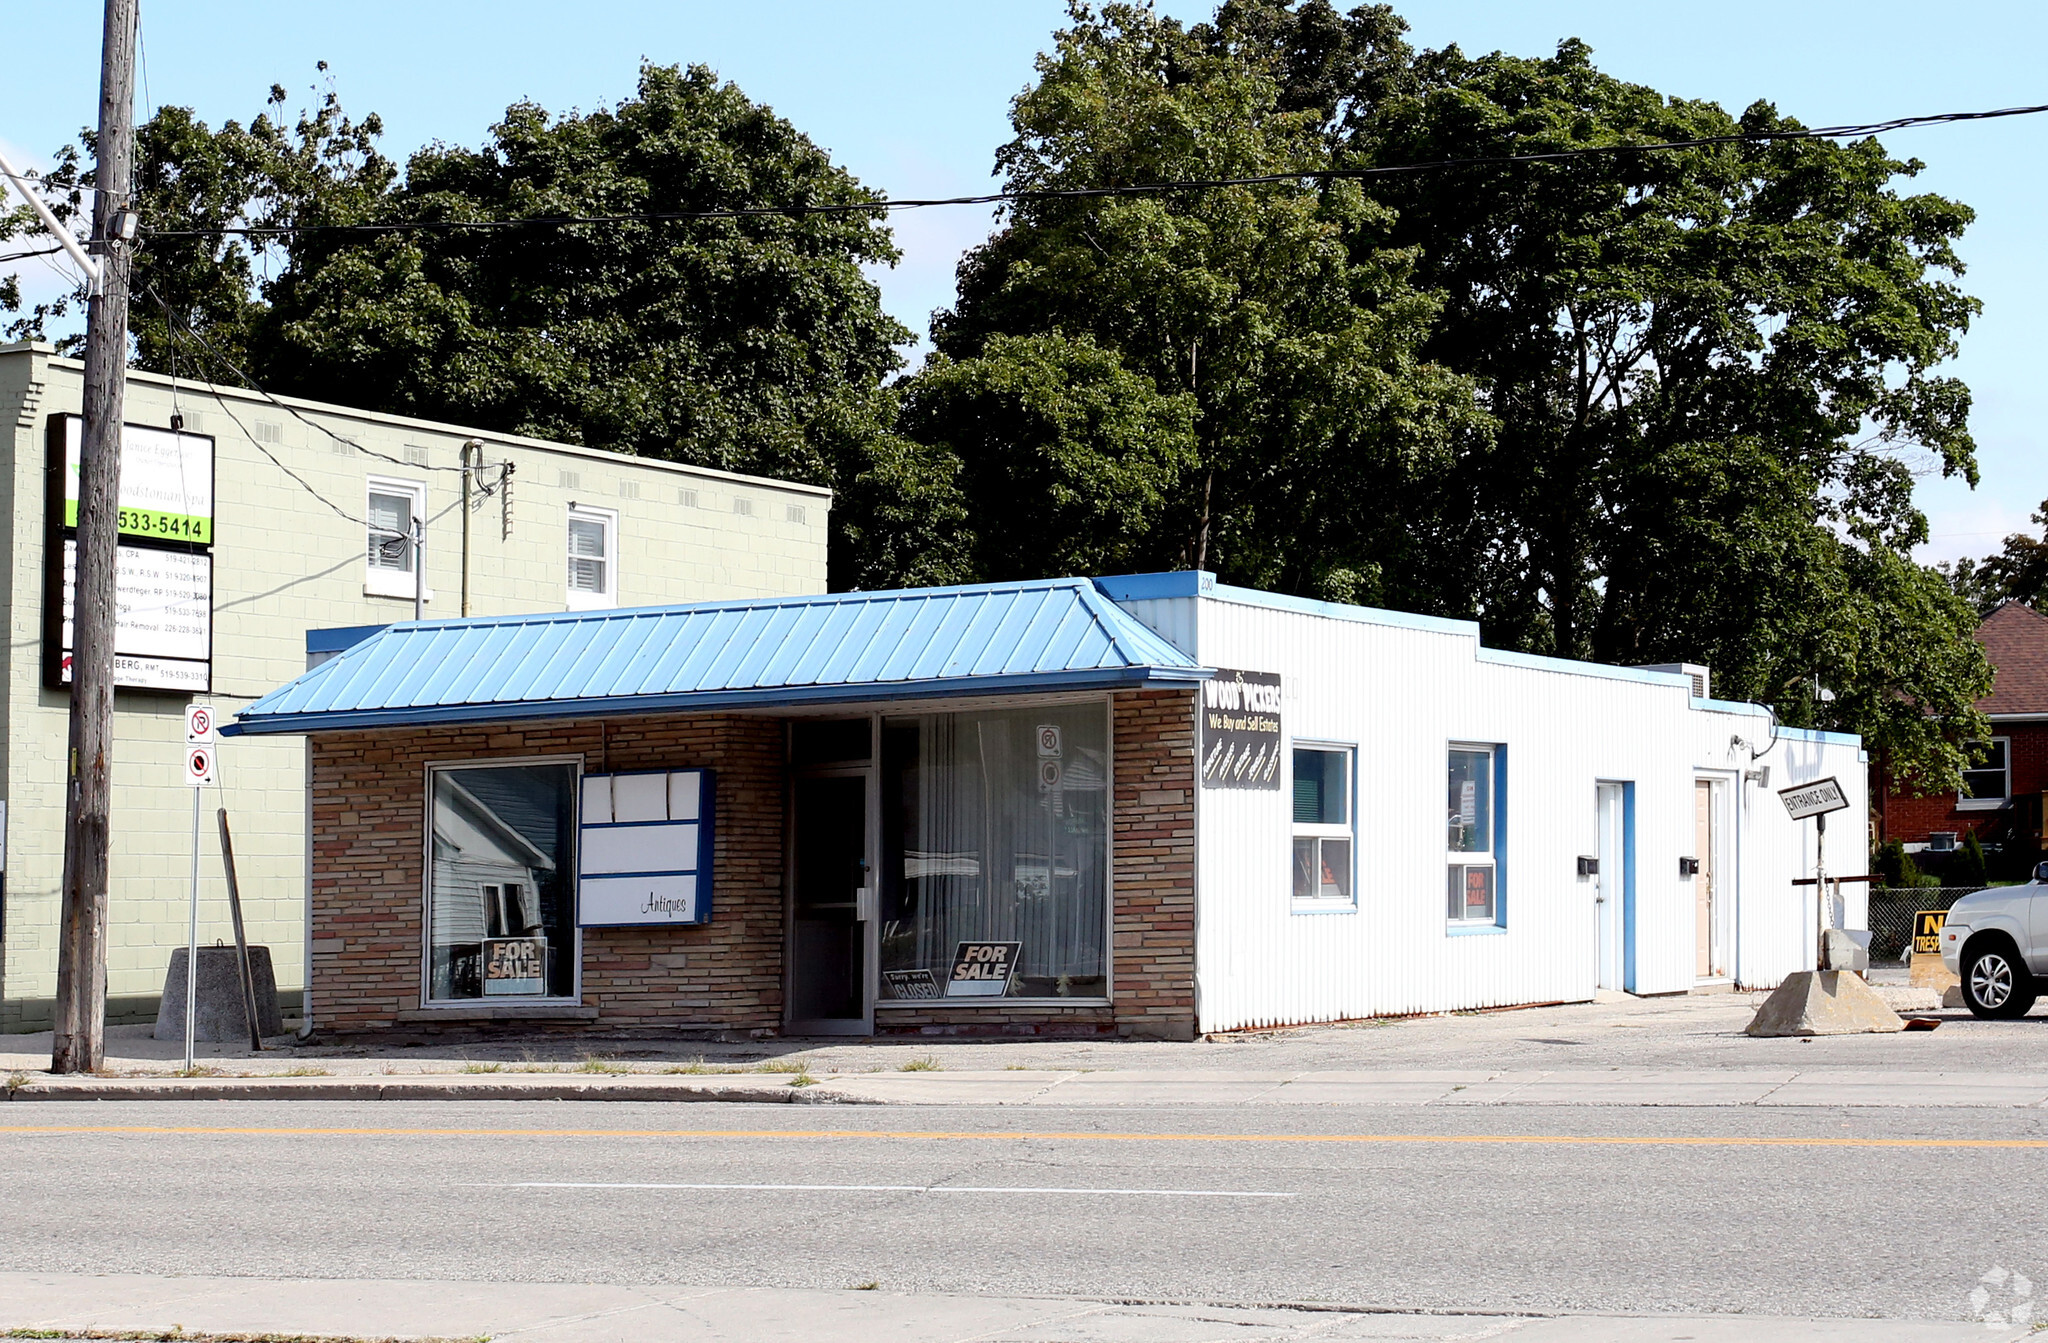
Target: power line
{"points": [[884, 205], [23, 256], [172, 320]]}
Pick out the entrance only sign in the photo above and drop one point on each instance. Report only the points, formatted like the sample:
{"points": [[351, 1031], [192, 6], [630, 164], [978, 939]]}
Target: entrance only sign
{"points": [[1813, 799]]}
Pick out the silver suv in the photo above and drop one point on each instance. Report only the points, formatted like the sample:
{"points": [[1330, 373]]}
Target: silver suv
{"points": [[1996, 942]]}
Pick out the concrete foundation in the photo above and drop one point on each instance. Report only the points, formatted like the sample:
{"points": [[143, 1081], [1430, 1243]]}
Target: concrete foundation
{"points": [[1824, 1002], [220, 1015]]}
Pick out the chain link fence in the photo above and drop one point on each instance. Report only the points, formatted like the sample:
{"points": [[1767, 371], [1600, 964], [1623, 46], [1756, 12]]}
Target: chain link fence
{"points": [[1891, 916]]}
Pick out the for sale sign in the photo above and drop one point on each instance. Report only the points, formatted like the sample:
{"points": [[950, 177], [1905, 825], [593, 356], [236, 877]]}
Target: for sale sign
{"points": [[515, 966], [983, 969]]}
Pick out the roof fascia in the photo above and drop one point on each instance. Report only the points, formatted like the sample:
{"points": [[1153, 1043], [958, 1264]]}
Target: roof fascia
{"points": [[705, 701]]}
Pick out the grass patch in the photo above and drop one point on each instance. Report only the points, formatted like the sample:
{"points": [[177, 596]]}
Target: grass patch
{"points": [[923, 1064], [699, 1068]]}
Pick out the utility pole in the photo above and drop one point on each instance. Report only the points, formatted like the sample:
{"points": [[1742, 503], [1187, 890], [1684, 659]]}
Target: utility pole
{"points": [[79, 1041]]}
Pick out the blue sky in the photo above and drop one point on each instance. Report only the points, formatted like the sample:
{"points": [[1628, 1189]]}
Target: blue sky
{"points": [[912, 95]]}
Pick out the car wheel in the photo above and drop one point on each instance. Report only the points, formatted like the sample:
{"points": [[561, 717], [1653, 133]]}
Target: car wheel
{"points": [[1996, 984]]}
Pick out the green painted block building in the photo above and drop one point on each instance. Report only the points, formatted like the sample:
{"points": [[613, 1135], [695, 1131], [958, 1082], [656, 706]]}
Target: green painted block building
{"points": [[228, 563]]}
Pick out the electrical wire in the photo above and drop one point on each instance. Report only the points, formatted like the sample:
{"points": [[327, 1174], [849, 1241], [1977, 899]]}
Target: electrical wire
{"points": [[284, 406], [23, 256], [884, 205]]}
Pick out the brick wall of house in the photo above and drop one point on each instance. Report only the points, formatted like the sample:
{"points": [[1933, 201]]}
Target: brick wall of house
{"points": [[1910, 819], [369, 808], [369, 805]]}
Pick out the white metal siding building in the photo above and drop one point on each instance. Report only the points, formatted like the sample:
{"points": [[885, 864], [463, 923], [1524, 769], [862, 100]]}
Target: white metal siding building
{"points": [[1563, 761]]}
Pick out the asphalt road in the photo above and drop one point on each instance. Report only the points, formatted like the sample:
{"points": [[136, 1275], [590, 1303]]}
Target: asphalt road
{"points": [[1722, 1211]]}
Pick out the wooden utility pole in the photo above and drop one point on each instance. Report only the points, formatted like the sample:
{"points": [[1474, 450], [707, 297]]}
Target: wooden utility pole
{"points": [[80, 1037]]}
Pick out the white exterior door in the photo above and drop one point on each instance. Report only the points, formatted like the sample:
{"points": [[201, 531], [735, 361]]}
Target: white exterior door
{"points": [[1610, 887]]}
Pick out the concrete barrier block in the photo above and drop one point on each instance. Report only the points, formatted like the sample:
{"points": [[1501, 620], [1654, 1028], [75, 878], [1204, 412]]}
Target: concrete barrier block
{"points": [[220, 1015]]}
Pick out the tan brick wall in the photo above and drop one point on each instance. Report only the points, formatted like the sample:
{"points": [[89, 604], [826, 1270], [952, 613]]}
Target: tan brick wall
{"points": [[1154, 924], [368, 818]]}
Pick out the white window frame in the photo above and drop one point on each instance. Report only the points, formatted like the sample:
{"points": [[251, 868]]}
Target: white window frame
{"points": [[1348, 831], [1965, 802], [1490, 858], [577, 599], [377, 580]]}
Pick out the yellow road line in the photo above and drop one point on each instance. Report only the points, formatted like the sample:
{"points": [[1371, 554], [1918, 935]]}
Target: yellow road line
{"points": [[943, 1135]]}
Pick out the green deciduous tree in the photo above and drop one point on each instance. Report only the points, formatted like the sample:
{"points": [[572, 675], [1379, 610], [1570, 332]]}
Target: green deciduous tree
{"points": [[1274, 312], [752, 343], [1068, 461], [1707, 367]]}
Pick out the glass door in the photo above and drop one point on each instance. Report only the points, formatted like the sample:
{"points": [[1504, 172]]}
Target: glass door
{"points": [[831, 905]]}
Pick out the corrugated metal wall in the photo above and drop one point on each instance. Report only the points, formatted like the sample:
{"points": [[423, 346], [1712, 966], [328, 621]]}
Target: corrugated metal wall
{"points": [[1401, 692]]}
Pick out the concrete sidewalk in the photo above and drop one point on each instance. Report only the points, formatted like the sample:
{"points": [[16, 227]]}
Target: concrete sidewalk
{"points": [[1443, 1088], [578, 1313]]}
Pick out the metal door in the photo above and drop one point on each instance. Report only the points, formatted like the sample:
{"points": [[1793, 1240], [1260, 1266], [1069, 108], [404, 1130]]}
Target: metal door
{"points": [[1705, 945], [831, 906], [1610, 887]]}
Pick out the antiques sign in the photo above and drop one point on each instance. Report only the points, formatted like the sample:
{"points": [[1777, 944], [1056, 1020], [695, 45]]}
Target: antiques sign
{"points": [[643, 851], [1241, 730]]}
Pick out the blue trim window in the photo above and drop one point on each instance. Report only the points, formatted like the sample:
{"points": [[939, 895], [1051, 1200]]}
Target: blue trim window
{"points": [[1475, 833], [1323, 846]]}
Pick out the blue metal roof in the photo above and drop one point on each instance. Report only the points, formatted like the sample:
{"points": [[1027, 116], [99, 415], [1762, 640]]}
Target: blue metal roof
{"points": [[999, 638]]}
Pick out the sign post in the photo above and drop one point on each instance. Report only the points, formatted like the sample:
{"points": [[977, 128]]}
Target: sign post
{"points": [[198, 774], [1816, 800]]}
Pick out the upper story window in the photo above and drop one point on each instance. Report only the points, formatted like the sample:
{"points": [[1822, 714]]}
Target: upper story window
{"points": [[1323, 824], [593, 557], [1988, 783], [392, 509], [1473, 836]]}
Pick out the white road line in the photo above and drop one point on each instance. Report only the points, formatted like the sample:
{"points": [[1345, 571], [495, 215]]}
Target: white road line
{"points": [[893, 1189]]}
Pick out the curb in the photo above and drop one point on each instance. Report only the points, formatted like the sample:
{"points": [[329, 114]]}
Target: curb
{"points": [[417, 1089]]}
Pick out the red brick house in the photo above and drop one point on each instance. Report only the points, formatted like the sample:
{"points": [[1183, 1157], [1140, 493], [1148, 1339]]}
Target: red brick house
{"points": [[2003, 801]]}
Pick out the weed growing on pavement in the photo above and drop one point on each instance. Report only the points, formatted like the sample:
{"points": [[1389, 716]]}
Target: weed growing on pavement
{"points": [[304, 1070], [803, 1079], [869, 1286], [1015, 1068], [483, 1067], [796, 1063], [923, 1064], [593, 1064], [200, 1070], [698, 1068], [16, 1081]]}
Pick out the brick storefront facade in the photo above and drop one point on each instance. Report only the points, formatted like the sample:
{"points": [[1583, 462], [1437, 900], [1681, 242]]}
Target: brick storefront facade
{"points": [[724, 978]]}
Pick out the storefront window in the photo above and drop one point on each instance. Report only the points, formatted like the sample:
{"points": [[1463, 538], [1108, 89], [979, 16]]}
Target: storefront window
{"points": [[995, 829], [1322, 824], [1472, 895], [501, 893]]}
